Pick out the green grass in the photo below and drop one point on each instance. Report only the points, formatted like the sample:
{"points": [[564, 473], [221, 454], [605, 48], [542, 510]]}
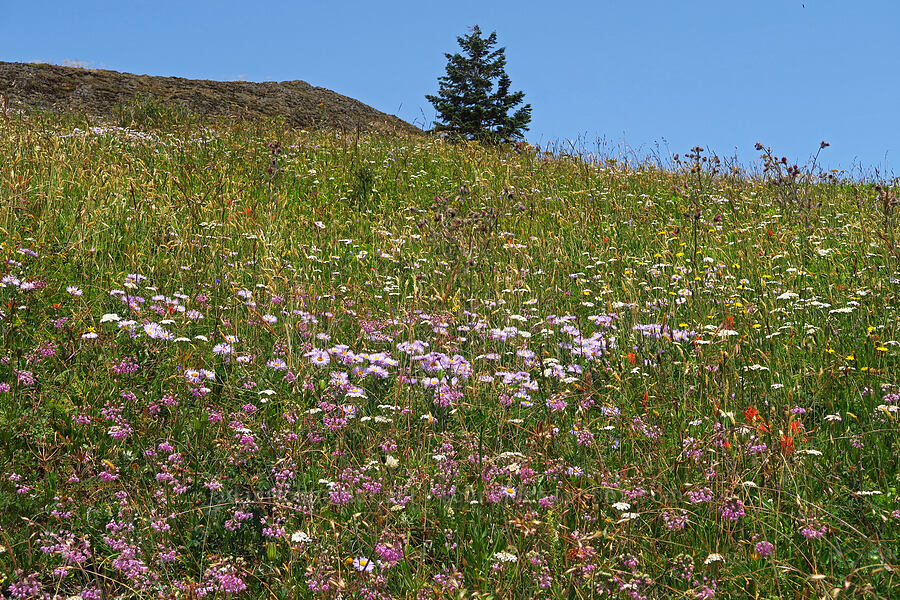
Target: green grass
{"points": [[765, 369]]}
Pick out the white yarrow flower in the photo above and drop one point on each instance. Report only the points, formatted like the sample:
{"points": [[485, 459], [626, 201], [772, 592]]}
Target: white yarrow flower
{"points": [[300, 537], [505, 557]]}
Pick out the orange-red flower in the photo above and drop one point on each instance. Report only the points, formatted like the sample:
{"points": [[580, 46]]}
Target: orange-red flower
{"points": [[787, 444]]}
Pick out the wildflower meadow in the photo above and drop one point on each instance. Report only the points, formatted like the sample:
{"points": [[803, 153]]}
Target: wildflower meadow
{"points": [[241, 360]]}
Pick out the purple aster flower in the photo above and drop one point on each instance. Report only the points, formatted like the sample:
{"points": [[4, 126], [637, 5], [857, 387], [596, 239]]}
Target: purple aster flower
{"points": [[363, 564], [318, 357]]}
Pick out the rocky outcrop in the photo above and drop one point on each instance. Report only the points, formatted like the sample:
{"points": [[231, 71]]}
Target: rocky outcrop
{"points": [[98, 92]]}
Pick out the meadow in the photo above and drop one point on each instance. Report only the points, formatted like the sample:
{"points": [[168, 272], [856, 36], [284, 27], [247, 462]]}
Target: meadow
{"points": [[242, 360]]}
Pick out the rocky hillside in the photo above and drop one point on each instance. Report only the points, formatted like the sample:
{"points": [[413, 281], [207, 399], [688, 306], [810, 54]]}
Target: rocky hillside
{"points": [[98, 92]]}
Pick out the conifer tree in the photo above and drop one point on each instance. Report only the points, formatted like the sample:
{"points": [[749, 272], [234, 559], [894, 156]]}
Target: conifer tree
{"points": [[467, 104]]}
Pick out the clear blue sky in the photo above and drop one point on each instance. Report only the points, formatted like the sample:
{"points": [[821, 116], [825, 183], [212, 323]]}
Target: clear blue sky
{"points": [[717, 73]]}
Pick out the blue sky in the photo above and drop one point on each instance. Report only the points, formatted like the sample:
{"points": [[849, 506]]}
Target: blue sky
{"points": [[723, 74]]}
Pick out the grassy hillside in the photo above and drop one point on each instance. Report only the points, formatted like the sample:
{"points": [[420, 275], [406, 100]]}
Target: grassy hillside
{"points": [[252, 361]]}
